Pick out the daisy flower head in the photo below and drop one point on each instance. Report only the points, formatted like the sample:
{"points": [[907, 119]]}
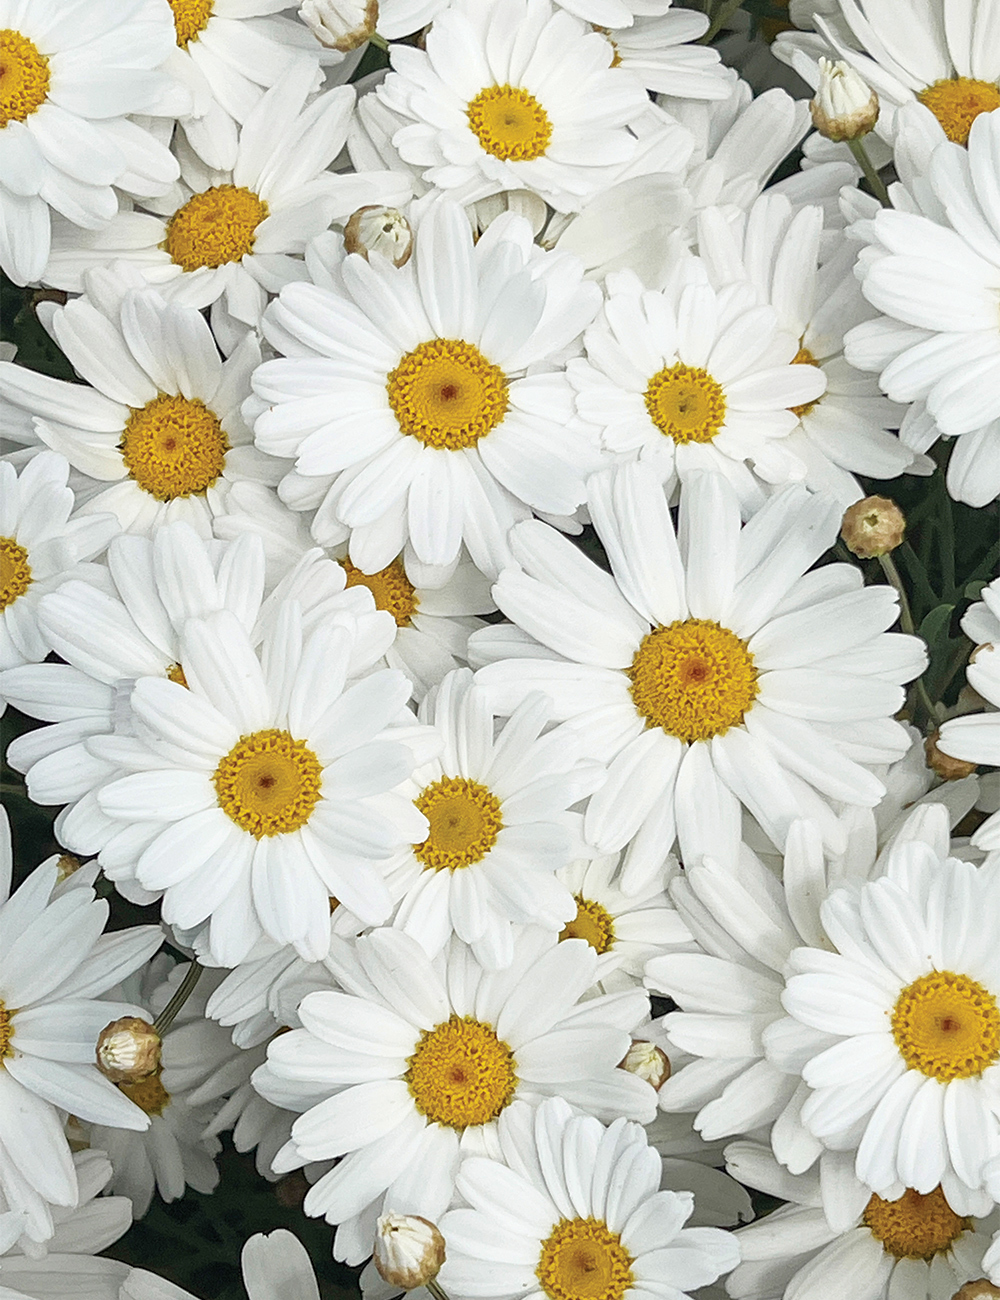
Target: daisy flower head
{"points": [[710, 671], [43, 542], [417, 1060], [156, 432], [574, 1209], [547, 112], [655, 46], [77, 80], [410, 389]]}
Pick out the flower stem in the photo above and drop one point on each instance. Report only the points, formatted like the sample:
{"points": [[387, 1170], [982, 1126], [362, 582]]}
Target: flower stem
{"points": [[726, 12], [184, 990], [436, 1291], [871, 175]]}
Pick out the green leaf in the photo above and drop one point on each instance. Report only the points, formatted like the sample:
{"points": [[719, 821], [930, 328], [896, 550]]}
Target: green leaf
{"points": [[935, 626]]}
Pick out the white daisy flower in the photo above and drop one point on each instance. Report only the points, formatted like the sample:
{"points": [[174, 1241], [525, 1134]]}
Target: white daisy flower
{"points": [[913, 1246], [42, 544], [976, 737], [655, 46], [981, 621], [275, 1266], [546, 113], [412, 391], [84, 1229], [69, 88], [419, 1059], [156, 432], [575, 1209], [711, 671]]}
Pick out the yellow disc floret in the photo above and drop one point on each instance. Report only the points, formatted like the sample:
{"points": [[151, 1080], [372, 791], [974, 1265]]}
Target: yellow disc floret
{"points": [[461, 1074], [215, 227], [148, 1094], [392, 589], [694, 679], [447, 394], [914, 1226], [190, 18], [268, 783], [947, 1026], [6, 1032], [593, 923], [582, 1259], [175, 673], [174, 447], [24, 77], [685, 403], [803, 358], [510, 123], [464, 821], [956, 102], [15, 571]]}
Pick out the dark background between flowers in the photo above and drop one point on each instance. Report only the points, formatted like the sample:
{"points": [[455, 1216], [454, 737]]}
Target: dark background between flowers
{"points": [[951, 550]]}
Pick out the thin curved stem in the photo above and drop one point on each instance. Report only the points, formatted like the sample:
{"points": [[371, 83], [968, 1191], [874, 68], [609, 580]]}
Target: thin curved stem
{"points": [[184, 990]]}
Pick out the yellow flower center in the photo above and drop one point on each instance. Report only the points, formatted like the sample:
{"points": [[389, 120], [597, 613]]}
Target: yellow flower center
{"points": [[148, 1094], [685, 403], [268, 783], [214, 227], [956, 102], [6, 1032], [24, 77], [593, 923], [510, 123], [694, 679], [947, 1026], [190, 18], [464, 823], [392, 589], [804, 358], [915, 1226], [447, 394], [461, 1073], [616, 58], [15, 571], [582, 1259], [174, 447], [175, 673]]}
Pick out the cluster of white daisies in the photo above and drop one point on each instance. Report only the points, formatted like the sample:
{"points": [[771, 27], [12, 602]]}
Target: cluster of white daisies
{"points": [[430, 802]]}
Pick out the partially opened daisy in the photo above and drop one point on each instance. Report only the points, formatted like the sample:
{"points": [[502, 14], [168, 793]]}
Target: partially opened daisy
{"points": [[412, 392], [418, 1060], [710, 671], [656, 46], [574, 1209]]}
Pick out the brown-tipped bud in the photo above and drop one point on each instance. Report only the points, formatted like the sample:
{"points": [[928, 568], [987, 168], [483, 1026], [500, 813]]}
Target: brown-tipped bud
{"points": [[340, 24], [978, 1290], [409, 1250], [376, 229], [845, 107], [128, 1050], [648, 1061], [947, 768], [873, 527]]}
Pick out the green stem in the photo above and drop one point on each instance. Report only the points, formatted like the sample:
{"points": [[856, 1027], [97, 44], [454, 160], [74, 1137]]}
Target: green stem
{"points": [[719, 21], [436, 1291], [906, 623], [860, 153], [184, 990], [958, 658], [918, 575], [379, 41], [947, 524]]}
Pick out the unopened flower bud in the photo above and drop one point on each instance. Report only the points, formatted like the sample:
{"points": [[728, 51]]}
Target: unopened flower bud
{"points": [[379, 230], [409, 1250], [947, 768], [340, 24], [978, 1290], [128, 1050], [872, 527], [845, 107], [648, 1061]]}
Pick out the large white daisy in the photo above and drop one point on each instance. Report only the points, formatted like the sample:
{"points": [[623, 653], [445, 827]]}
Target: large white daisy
{"points": [[412, 391], [710, 671]]}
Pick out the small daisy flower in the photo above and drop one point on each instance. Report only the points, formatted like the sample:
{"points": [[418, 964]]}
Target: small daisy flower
{"points": [[42, 544], [412, 392], [656, 48], [89, 1226], [443, 1049], [711, 671], [546, 113], [574, 1210]]}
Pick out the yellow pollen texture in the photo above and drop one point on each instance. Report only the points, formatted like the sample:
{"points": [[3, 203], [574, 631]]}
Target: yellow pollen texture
{"points": [[148, 1094], [582, 1259], [392, 589], [215, 227], [174, 447], [915, 1226], [694, 679], [447, 394], [685, 403], [24, 77], [461, 1074], [175, 673], [510, 123], [15, 571], [956, 102], [268, 783], [190, 18], [804, 358], [464, 821], [947, 1026], [593, 923], [6, 1032]]}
